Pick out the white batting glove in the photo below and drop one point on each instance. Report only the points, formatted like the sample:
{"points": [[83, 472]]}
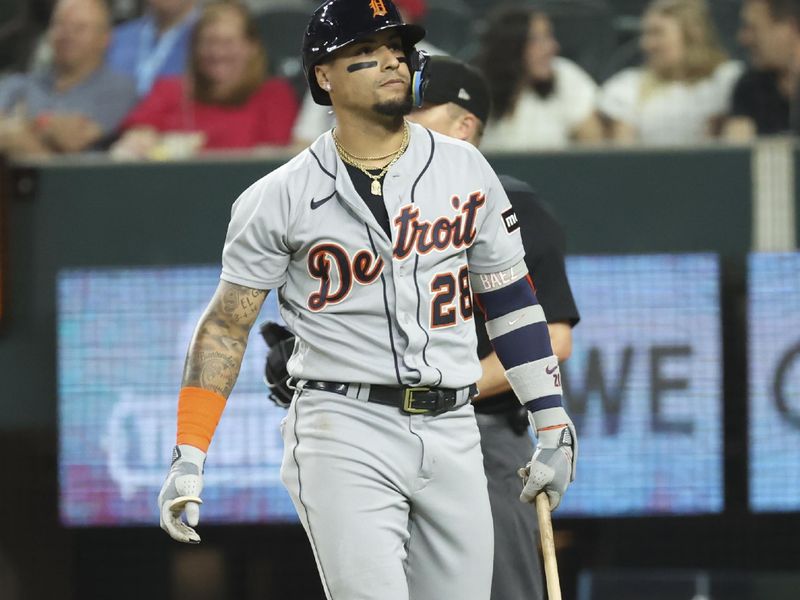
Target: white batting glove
{"points": [[181, 493], [552, 467]]}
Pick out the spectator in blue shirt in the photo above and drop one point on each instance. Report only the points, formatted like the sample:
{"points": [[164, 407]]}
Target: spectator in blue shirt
{"points": [[77, 102], [155, 45]]}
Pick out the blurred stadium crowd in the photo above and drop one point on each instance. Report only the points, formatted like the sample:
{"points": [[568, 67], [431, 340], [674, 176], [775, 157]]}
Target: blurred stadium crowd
{"points": [[161, 79]]}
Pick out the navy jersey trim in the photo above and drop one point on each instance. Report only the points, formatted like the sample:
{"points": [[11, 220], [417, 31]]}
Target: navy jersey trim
{"points": [[425, 168], [416, 261], [386, 309], [324, 170]]}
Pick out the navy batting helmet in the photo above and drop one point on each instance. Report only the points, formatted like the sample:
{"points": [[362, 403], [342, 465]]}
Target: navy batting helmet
{"points": [[337, 23]]}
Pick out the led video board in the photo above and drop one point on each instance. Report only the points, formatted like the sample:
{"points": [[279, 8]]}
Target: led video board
{"points": [[774, 376], [122, 340], [643, 386]]}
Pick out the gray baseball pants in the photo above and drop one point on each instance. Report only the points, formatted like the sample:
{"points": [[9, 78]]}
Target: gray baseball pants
{"points": [[395, 506]]}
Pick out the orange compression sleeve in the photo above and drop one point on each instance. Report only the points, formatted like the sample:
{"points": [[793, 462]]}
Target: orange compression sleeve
{"points": [[199, 411]]}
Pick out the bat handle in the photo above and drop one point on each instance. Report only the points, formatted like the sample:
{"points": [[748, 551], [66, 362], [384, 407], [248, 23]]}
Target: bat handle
{"points": [[548, 547]]}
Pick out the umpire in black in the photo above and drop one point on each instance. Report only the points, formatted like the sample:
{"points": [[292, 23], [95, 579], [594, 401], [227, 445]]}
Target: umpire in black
{"points": [[457, 103]]}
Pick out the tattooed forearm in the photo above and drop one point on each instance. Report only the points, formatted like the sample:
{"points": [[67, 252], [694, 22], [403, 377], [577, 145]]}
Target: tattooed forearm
{"points": [[217, 371], [215, 354]]}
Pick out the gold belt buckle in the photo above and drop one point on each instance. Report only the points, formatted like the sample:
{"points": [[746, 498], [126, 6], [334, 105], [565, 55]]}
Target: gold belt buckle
{"points": [[408, 398]]}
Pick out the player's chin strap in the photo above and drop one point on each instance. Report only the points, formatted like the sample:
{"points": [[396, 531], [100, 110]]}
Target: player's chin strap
{"points": [[418, 62]]}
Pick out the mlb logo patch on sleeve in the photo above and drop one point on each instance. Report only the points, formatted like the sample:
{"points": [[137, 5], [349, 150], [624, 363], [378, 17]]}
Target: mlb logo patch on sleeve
{"points": [[510, 219]]}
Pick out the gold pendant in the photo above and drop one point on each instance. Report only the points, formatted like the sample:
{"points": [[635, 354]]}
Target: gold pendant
{"points": [[375, 188]]}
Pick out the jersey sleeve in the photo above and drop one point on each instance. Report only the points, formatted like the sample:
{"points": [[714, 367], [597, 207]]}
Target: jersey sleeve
{"points": [[256, 252], [498, 244]]}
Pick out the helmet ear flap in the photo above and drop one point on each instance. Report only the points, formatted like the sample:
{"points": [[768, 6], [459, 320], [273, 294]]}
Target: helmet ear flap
{"points": [[417, 64]]}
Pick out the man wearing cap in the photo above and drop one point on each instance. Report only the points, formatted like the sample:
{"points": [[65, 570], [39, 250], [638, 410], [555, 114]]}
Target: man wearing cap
{"points": [[314, 119], [457, 103], [378, 238]]}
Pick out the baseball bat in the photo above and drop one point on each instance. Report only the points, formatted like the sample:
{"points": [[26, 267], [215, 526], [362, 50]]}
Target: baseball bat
{"points": [[548, 547]]}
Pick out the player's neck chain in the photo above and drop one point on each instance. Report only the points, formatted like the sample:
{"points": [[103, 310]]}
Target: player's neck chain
{"points": [[358, 162], [371, 158]]}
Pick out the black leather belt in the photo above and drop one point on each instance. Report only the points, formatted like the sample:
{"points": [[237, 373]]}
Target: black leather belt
{"points": [[410, 400]]}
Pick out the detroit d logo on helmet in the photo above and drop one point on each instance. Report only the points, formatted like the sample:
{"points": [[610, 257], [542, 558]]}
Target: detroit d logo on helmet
{"points": [[378, 8]]}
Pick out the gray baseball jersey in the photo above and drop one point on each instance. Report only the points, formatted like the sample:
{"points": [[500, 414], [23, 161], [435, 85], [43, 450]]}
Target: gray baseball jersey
{"points": [[366, 308]]}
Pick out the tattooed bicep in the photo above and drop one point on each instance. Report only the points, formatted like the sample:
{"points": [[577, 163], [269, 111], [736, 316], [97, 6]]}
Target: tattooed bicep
{"points": [[238, 303]]}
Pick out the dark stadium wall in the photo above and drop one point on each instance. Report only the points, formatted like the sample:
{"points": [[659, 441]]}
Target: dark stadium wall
{"points": [[115, 215]]}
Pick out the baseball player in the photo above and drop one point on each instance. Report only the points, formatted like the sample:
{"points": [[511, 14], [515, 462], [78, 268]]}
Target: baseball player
{"points": [[457, 103], [377, 238]]}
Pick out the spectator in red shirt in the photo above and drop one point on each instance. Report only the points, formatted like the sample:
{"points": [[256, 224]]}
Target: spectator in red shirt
{"points": [[222, 103]]}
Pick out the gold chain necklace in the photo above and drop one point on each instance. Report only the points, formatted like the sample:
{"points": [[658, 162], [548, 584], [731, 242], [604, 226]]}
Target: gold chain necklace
{"points": [[375, 187], [367, 158]]}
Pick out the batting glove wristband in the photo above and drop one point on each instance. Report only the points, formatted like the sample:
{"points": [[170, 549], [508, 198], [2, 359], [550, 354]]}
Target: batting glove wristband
{"points": [[181, 493], [552, 467]]}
